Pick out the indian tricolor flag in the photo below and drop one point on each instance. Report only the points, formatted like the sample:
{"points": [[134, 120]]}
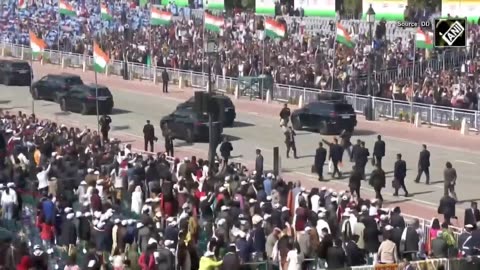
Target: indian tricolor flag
{"points": [[100, 59], [274, 29], [158, 17], [22, 4], [105, 13], [343, 36], [66, 9], [37, 45], [423, 40], [213, 23]]}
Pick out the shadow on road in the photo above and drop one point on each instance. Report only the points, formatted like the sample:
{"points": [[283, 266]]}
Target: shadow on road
{"points": [[421, 192], [117, 111], [118, 128], [240, 124], [363, 132]]}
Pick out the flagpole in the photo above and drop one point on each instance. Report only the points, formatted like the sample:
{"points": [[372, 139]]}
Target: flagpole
{"points": [[31, 78], [96, 95], [413, 83], [204, 43], [334, 53]]}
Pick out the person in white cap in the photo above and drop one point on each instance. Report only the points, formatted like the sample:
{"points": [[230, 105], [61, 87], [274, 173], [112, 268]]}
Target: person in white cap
{"points": [[42, 177], [39, 260], [8, 202], [68, 234], [137, 201], [81, 192]]}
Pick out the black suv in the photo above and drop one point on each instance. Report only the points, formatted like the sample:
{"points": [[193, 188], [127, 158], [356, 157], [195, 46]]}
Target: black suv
{"points": [[326, 117], [83, 99], [49, 87], [223, 103], [15, 72], [186, 124]]}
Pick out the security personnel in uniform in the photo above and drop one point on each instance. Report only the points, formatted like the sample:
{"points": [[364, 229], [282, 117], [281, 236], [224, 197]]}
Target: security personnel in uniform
{"points": [[399, 174], [320, 157], [377, 181], [424, 164], [361, 159], [290, 142], [148, 135], [165, 80], [105, 122], [378, 151], [284, 115], [335, 155]]}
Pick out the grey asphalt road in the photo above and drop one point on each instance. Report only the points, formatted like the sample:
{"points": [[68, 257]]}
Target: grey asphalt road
{"points": [[255, 131]]}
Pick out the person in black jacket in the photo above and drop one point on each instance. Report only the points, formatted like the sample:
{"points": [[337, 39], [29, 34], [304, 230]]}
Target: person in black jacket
{"points": [[148, 135], [284, 115], [399, 174], [355, 182], [225, 149], [378, 151], [165, 79], [472, 215], [377, 181], [167, 134], [447, 208], [361, 159], [259, 163], [355, 149], [320, 157], [335, 155], [105, 122], [336, 258], [355, 256], [290, 142], [424, 164]]}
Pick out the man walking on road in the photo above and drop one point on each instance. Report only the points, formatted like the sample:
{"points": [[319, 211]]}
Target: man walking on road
{"points": [[450, 180], [259, 163], [320, 157], [377, 181], [361, 159], [290, 142], [399, 174], [165, 80], [335, 155], [148, 135], [378, 151], [225, 149], [424, 164], [167, 134], [284, 115], [105, 122]]}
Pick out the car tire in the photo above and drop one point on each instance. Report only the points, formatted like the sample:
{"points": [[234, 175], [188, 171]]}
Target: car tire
{"points": [[296, 125], [35, 94], [63, 105], [84, 109], [323, 128], [189, 136]]}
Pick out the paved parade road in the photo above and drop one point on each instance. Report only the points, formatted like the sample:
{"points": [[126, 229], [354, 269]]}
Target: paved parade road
{"points": [[134, 104]]}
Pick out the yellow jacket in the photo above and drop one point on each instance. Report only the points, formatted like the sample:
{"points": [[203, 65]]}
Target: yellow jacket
{"points": [[207, 263]]}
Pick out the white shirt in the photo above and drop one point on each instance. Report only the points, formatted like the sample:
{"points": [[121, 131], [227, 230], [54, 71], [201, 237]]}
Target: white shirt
{"points": [[43, 178], [8, 198]]}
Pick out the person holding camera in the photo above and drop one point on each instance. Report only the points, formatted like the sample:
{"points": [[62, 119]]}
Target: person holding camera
{"points": [[149, 135]]}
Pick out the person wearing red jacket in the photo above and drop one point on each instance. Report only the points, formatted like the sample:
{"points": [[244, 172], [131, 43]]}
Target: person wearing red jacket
{"points": [[147, 259], [47, 233]]}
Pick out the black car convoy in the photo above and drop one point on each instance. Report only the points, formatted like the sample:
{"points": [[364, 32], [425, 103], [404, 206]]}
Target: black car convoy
{"points": [[324, 116]]}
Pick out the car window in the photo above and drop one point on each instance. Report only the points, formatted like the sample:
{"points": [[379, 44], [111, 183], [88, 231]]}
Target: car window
{"points": [[20, 65], [318, 108], [343, 108], [73, 80], [102, 92]]}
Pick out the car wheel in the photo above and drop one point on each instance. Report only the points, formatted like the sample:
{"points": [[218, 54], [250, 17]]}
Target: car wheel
{"points": [[296, 124], [323, 128], [35, 94], [189, 137], [84, 109], [63, 105]]}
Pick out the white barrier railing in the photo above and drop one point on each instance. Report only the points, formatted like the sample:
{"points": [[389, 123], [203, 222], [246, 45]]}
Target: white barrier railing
{"points": [[388, 108]]}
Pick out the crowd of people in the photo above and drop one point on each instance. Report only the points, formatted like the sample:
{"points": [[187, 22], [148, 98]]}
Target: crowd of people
{"points": [[100, 201], [301, 59]]}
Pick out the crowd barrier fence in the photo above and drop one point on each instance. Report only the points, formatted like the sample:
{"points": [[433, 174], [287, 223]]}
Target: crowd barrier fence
{"points": [[387, 108]]}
